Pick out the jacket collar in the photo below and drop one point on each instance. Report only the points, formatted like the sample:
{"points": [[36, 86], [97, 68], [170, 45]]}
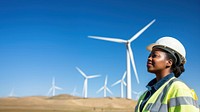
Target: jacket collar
{"points": [[153, 84]]}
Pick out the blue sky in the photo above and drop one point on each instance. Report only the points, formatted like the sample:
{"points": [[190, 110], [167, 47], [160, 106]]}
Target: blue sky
{"points": [[43, 39]]}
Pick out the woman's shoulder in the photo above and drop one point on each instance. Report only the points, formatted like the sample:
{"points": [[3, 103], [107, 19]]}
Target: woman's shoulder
{"points": [[181, 88], [178, 83]]}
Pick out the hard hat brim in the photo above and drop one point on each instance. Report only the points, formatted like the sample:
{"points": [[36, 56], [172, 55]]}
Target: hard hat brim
{"points": [[150, 47]]}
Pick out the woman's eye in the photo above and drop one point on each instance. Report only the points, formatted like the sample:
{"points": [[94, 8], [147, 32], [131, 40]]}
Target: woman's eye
{"points": [[154, 56], [149, 56]]}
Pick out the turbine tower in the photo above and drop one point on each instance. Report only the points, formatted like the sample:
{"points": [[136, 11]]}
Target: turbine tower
{"points": [[105, 88], [85, 86], [53, 88], [123, 83], [129, 55]]}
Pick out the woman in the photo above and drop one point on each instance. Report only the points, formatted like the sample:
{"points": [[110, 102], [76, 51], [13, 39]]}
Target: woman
{"points": [[166, 93]]}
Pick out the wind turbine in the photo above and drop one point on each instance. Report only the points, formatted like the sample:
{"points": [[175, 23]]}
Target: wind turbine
{"points": [[53, 88], [74, 92], [122, 84], [129, 55], [12, 93], [105, 88], [137, 94], [85, 86]]}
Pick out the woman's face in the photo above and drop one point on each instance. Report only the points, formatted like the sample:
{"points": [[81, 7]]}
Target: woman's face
{"points": [[157, 61]]}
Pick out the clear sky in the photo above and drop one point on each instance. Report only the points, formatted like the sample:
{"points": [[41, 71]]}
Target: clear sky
{"points": [[41, 39]]}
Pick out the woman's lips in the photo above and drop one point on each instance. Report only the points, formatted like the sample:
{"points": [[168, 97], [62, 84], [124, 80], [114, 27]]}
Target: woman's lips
{"points": [[149, 64]]}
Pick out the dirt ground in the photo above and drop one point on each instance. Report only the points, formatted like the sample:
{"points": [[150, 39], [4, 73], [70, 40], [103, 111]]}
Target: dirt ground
{"points": [[85, 110], [66, 103]]}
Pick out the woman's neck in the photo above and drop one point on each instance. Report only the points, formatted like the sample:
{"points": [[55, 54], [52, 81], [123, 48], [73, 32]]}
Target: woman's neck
{"points": [[161, 74]]}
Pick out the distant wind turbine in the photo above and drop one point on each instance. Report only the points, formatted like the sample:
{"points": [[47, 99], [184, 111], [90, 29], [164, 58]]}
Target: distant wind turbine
{"points": [[53, 88], [85, 86], [74, 92], [137, 94], [105, 88], [129, 55], [122, 84], [12, 93]]}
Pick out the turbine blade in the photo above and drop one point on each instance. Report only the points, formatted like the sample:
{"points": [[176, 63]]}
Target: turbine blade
{"points": [[93, 76], [49, 91], [100, 89], [56, 87], [124, 75], [53, 81], [141, 31], [82, 73], [124, 83], [140, 92], [11, 93], [116, 83], [106, 80], [134, 92], [133, 62], [109, 39], [109, 90]]}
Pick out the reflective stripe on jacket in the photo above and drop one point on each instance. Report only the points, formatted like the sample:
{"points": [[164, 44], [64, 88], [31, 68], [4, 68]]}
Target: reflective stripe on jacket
{"points": [[173, 96]]}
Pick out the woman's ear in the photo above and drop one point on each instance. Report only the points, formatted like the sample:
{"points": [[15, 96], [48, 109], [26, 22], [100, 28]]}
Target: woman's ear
{"points": [[169, 63]]}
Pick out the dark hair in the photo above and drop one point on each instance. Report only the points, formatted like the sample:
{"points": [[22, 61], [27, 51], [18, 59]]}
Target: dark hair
{"points": [[177, 67]]}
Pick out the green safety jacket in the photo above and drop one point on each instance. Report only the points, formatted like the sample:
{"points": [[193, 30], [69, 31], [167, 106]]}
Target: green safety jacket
{"points": [[172, 96]]}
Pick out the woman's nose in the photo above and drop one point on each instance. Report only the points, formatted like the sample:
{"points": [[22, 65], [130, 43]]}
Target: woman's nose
{"points": [[149, 58]]}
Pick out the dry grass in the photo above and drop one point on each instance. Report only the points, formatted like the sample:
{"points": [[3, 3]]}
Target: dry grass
{"points": [[65, 103]]}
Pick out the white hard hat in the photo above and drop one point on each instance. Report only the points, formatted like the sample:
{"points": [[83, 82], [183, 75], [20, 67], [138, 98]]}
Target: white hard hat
{"points": [[171, 43]]}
